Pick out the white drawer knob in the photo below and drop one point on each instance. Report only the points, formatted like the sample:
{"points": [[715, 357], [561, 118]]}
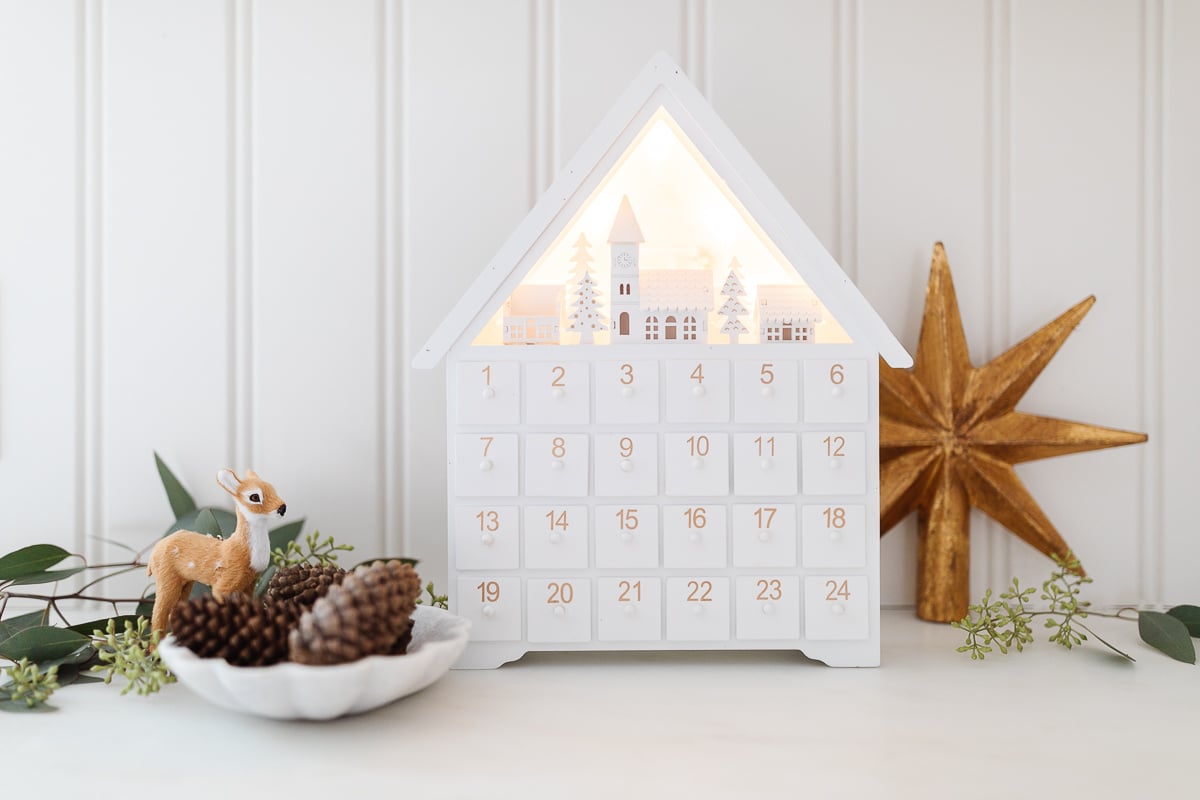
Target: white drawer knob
{"points": [[836, 391], [835, 463], [694, 536], [765, 464], [768, 608], [626, 465], [488, 611], [555, 537], [626, 391], [488, 393], [487, 539], [630, 609], [557, 464], [837, 609], [559, 611], [697, 463], [557, 392], [768, 391], [764, 536], [485, 465], [626, 536], [697, 391]]}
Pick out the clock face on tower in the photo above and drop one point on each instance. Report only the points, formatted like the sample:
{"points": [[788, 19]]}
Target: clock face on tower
{"points": [[625, 260]]}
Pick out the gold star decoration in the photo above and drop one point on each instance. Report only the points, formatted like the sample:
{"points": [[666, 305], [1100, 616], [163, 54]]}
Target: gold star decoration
{"points": [[949, 435]]}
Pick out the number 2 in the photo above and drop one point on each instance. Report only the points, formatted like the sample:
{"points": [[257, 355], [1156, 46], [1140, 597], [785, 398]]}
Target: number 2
{"points": [[562, 593], [559, 374], [699, 591], [834, 445], [626, 588]]}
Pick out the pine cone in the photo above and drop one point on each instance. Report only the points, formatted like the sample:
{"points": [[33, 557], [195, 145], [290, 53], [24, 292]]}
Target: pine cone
{"points": [[304, 583], [368, 614], [237, 628]]}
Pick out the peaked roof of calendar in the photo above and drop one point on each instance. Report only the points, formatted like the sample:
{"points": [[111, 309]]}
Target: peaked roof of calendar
{"points": [[662, 84]]}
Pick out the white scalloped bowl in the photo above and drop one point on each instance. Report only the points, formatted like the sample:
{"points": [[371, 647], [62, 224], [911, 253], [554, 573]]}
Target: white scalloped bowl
{"points": [[296, 691]]}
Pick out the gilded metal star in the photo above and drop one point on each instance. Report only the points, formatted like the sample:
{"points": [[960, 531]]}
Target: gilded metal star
{"points": [[949, 435]]}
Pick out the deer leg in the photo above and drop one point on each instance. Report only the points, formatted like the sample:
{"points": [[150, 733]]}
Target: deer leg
{"points": [[166, 597]]}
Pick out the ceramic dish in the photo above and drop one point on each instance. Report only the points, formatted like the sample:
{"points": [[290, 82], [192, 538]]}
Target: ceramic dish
{"points": [[295, 691]]}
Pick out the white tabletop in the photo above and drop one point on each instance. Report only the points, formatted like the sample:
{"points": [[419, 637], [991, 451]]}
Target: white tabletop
{"points": [[928, 723]]}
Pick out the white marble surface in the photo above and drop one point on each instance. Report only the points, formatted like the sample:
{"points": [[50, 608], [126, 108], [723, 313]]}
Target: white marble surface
{"points": [[929, 723]]}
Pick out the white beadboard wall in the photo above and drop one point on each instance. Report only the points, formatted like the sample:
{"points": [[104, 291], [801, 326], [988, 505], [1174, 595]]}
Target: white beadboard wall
{"points": [[226, 225]]}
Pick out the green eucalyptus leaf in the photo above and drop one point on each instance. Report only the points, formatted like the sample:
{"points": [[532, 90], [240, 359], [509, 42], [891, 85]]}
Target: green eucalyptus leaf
{"points": [[179, 498], [49, 576], [47, 642], [260, 587], [226, 521], [1167, 634], [29, 560], [145, 608], [206, 522], [286, 533], [1189, 616], [17, 624], [81, 656], [20, 708]]}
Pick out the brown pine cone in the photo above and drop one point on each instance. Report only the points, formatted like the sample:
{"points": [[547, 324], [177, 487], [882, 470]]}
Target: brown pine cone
{"points": [[237, 628], [368, 614], [303, 583]]}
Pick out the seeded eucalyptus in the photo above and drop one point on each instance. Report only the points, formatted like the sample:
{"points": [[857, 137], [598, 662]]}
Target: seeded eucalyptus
{"points": [[28, 685], [133, 655], [1006, 622]]}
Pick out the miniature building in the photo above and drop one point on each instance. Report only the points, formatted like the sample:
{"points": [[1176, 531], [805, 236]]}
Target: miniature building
{"points": [[531, 315], [641, 482], [786, 314]]}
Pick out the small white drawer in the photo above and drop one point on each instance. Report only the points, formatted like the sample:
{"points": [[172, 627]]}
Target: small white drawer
{"points": [[697, 464], [698, 609], [556, 464], [626, 536], [489, 393], [764, 535], [557, 393], [834, 536], [766, 391], [768, 607], [836, 607], [629, 609], [834, 462], [626, 391], [559, 609], [556, 537], [493, 605], [626, 465], [765, 464], [487, 537], [485, 465], [697, 391], [694, 536], [835, 391]]}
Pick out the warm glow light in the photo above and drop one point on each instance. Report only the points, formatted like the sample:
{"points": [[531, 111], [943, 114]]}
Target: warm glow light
{"points": [[689, 221]]}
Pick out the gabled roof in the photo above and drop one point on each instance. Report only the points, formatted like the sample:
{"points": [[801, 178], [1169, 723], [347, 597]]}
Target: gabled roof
{"points": [[788, 302], [661, 289], [663, 85]]}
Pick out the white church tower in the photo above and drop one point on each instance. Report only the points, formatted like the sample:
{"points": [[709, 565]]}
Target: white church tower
{"points": [[623, 241]]}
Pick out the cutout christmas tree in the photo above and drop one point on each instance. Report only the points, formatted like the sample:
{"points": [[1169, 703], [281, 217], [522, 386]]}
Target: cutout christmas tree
{"points": [[733, 308], [586, 318]]}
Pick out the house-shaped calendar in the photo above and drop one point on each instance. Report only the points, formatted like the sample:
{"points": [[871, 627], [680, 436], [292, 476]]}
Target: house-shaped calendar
{"points": [[662, 410]]}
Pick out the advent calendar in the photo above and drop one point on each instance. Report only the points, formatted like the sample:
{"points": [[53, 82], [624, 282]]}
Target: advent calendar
{"points": [[662, 410]]}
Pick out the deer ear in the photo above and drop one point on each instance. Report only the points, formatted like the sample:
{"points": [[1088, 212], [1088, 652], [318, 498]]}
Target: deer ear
{"points": [[229, 482], [251, 475]]}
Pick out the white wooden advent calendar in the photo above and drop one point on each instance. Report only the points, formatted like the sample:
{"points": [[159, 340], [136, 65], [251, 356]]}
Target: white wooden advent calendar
{"points": [[662, 410]]}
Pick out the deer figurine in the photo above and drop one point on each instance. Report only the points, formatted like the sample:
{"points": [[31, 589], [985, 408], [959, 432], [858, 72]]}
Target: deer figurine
{"points": [[227, 565]]}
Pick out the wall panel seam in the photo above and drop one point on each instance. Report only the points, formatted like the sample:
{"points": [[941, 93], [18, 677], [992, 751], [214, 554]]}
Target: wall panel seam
{"points": [[543, 159], [93, 283], [696, 62], [848, 74], [998, 75], [399, 223], [1150, 236], [386, 291], [242, 201], [81, 296]]}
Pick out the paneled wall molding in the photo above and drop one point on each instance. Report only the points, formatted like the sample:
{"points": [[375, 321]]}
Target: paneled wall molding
{"points": [[273, 201]]}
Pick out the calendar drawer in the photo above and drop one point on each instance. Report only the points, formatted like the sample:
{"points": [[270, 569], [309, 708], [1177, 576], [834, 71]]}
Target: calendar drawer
{"points": [[697, 609], [834, 536], [697, 464], [835, 391], [768, 607], [626, 465], [557, 394], [485, 465], [626, 392], [697, 391], [834, 463], [694, 536], [487, 537], [629, 609], [766, 391], [556, 465], [489, 394], [764, 535], [493, 605], [765, 464], [836, 607], [559, 609], [626, 536], [556, 537]]}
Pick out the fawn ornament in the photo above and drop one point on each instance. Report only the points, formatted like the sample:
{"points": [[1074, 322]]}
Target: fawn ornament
{"points": [[227, 565]]}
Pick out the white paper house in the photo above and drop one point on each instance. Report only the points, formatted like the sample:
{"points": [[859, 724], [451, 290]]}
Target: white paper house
{"points": [[691, 489]]}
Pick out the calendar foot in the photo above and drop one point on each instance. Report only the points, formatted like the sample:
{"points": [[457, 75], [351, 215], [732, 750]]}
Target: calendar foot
{"points": [[488, 655], [843, 654]]}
